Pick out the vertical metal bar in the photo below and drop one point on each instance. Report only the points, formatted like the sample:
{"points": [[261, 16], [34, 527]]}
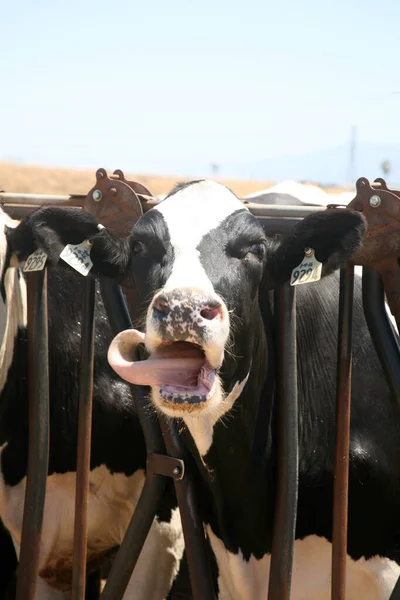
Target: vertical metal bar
{"points": [[84, 441], [38, 456], [395, 595], [384, 340], [154, 485], [193, 530], [134, 539], [343, 403], [288, 447]]}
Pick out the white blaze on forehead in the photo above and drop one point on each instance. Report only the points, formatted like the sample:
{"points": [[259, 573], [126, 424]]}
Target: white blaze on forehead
{"points": [[190, 214]]}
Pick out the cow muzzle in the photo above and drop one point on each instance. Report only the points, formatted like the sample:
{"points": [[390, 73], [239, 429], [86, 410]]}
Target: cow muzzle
{"points": [[186, 334]]}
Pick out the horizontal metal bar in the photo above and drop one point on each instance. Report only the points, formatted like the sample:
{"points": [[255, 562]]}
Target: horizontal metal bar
{"points": [[40, 199], [258, 210], [271, 225], [274, 210]]}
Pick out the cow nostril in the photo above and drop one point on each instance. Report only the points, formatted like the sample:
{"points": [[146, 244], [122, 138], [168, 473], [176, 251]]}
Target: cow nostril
{"points": [[161, 305], [211, 312]]}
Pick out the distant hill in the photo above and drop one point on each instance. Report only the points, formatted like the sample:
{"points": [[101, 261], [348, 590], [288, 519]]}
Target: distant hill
{"points": [[325, 167], [51, 180]]}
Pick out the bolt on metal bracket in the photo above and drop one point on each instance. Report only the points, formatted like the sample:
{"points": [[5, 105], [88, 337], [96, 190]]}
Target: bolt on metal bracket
{"points": [[160, 464]]}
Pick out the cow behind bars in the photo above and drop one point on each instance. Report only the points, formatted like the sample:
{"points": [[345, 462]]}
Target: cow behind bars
{"points": [[118, 452], [201, 267]]}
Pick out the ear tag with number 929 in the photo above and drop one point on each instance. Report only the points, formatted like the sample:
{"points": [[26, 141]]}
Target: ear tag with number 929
{"points": [[308, 271], [77, 256]]}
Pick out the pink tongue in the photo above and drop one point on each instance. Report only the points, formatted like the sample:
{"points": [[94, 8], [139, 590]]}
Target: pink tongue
{"points": [[180, 367]]}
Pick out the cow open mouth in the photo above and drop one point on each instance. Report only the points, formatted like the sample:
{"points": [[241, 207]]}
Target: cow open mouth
{"points": [[185, 375], [179, 370]]}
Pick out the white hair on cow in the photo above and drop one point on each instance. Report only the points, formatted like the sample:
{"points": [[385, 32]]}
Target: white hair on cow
{"points": [[13, 311]]}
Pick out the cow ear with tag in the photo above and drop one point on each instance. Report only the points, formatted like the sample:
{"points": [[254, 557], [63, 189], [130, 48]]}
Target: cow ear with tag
{"points": [[64, 233], [320, 244]]}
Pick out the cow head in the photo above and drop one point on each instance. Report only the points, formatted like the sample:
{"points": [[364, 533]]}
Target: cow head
{"points": [[196, 262]]}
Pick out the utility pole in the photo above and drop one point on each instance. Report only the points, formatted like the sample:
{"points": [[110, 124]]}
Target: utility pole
{"points": [[351, 176], [214, 169]]}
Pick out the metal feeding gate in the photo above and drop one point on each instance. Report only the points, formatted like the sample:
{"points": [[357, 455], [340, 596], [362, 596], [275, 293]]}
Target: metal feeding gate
{"points": [[118, 204]]}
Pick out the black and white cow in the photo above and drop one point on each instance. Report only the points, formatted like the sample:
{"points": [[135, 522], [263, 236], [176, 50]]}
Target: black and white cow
{"points": [[293, 193], [201, 267], [118, 454]]}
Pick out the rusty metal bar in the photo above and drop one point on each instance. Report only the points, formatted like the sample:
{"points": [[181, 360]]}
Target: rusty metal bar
{"points": [[395, 595], [84, 441], [277, 211], [192, 526], [148, 202], [134, 538], [380, 328], [38, 454], [41, 199], [288, 446], [154, 485], [343, 403]]}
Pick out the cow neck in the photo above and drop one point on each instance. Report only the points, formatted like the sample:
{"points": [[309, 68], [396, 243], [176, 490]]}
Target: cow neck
{"points": [[13, 316], [233, 494]]}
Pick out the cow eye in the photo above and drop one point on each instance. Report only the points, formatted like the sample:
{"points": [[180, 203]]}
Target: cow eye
{"points": [[137, 247], [258, 250]]}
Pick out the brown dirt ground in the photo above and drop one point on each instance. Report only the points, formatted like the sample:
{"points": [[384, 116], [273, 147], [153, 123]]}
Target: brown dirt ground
{"points": [[46, 180]]}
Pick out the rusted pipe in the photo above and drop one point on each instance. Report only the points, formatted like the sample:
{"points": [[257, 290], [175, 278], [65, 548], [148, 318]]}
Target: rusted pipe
{"points": [[395, 595], [280, 577], [148, 202], [84, 442], [41, 199], [343, 403], [38, 452], [154, 485]]}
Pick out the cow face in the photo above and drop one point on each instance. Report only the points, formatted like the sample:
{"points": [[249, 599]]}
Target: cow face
{"points": [[197, 261]]}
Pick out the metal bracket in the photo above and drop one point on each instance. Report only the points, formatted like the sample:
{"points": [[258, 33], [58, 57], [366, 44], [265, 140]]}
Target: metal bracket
{"points": [[160, 464]]}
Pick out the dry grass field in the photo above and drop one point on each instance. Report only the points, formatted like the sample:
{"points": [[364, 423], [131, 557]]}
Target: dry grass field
{"points": [[47, 180]]}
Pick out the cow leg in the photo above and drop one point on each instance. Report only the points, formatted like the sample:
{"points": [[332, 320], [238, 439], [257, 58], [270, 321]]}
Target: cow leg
{"points": [[45, 592], [93, 586], [8, 563], [181, 589], [158, 562]]}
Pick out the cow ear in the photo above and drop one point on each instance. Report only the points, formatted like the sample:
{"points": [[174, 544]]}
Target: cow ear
{"points": [[334, 235], [52, 228]]}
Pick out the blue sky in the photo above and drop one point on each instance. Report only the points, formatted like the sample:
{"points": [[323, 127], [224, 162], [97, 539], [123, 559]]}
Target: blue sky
{"points": [[173, 86]]}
